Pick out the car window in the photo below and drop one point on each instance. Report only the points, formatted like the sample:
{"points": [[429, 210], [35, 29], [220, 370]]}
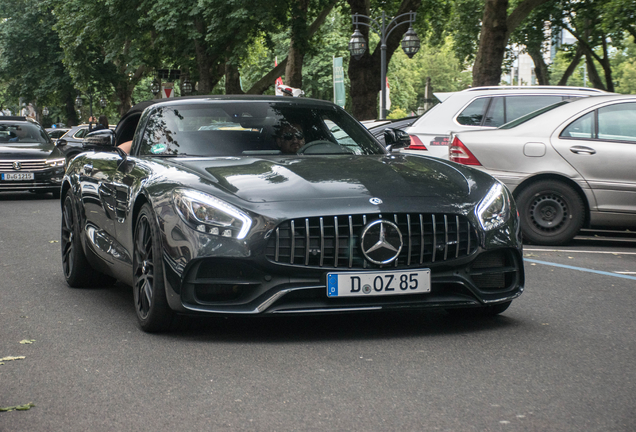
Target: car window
{"points": [[80, 133], [617, 122], [496, 113], [525, 118], [473, 114], [517, 106], [23, 132], [253, 128], [581, 128]]}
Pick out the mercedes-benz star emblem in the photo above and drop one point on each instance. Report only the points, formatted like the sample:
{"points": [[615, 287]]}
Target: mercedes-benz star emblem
{"points": [[375, 201], [381, 242], [17, 165]]}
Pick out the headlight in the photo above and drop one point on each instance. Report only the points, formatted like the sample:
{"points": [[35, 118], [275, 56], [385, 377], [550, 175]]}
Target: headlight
{"points": [[210, 215], [56, 162], [494, 210]]}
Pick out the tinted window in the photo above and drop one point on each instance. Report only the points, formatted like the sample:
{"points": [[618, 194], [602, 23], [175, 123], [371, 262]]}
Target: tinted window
{"points": [[22, 132], [496, 116], [582, 128], [473, 114], [253, 128], [617, 122], [517, 106]]}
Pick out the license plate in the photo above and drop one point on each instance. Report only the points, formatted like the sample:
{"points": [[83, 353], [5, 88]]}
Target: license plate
{"points": [[17, 176], [378, 283]]}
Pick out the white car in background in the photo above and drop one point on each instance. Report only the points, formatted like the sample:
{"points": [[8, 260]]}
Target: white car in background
{"points": [[481, 108]]}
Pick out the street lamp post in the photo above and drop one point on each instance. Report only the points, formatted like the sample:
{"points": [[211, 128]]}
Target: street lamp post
{"points": [[79, 102], [358, 46]]}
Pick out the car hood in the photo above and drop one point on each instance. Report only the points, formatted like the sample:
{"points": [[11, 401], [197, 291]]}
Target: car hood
{"points": [[25, 150], [280, 179]]}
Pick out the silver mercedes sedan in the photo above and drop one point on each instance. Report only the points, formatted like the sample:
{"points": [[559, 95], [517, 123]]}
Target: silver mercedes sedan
{"points": [[569, 165]]}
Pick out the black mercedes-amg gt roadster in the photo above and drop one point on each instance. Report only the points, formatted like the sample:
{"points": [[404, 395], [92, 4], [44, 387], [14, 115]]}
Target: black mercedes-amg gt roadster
{"points": [[278, 205]]}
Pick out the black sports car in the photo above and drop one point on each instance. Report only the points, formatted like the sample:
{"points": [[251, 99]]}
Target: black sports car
{"points": [[251, 205], [28, 158]]}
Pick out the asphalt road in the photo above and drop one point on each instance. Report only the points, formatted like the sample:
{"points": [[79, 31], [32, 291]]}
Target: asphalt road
{"points": [[560, 359]]}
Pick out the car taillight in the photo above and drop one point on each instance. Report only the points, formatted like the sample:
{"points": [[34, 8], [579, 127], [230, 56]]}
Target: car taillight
{"points": [[416, 143], [458, 152]]}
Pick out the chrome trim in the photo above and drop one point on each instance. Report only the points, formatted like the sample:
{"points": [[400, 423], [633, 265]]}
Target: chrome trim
{"points": [[306, 241], [350, 241], [434, 238], [277, 243], [408, 225], [322, 242], [445, 237], [299, 311], [457, 227], [337, 242], [421, 238], [293, 242]]}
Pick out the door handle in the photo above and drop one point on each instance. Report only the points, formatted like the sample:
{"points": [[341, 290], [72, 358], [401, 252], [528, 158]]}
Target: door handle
{"points": [[88, 168], [582, 150]]}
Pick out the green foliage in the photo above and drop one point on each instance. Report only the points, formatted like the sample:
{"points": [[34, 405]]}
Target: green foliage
{"points": [[407, 77]]}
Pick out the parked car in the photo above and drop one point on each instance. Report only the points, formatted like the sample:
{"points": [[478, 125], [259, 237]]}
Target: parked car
{"points": [[207, 215], [28, 158], [56, 133], [70, 144], [481, 108], [570, 165]]}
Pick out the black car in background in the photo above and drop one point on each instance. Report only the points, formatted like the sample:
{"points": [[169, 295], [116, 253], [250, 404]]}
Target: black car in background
{"points": [[28, 158], [71, 143], [213, 211]]}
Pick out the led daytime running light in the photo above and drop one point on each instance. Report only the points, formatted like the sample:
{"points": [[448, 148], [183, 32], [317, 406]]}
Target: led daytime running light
{"points": [[496, 192], [216, 204]]}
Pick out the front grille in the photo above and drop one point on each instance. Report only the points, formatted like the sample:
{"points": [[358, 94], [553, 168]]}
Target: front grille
{"points": [[334, 241], [26, 165]]}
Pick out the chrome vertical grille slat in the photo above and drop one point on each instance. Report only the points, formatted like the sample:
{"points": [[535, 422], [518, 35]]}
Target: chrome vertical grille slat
{"points": [[350, 243], [293, 243], [334, 241], [307, 241]]}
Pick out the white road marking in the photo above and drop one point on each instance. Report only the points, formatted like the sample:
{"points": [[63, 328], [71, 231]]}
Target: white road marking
{"points": [[578, 251]]}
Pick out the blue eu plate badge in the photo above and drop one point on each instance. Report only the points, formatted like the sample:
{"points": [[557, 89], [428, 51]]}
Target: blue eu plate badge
{"points": [[332, 285]]}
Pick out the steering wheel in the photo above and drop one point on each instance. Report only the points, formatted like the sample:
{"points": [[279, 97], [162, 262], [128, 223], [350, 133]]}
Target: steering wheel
{"points": [[323, 147]]}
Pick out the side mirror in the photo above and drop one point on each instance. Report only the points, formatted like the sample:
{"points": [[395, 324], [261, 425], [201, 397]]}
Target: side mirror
{"points": [[60, 142], [101, 140], [396, 138]]}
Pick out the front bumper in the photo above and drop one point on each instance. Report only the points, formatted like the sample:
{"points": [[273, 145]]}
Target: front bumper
{"points": [[50, 179], [239, 286]]}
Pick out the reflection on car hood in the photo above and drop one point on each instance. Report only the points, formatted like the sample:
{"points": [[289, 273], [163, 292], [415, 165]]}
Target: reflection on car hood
{"points": [[278, 179], [25, 150]]}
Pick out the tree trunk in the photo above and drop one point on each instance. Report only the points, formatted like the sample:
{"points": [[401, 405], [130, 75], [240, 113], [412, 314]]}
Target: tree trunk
{"points": [[495, 31], [364, 74], [232, 80], [492, 44], [298, 44], [572, 66], [592, 73], [268, 80], [541, 70], [607, 68]]}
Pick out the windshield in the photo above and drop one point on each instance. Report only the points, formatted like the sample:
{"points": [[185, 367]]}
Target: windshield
{"points": [[254, 128], [532, 115], [22, 132]]}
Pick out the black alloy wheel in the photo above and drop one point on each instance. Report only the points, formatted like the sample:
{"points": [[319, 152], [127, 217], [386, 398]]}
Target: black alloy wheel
{"points": [[551, 212], [77, 271], [151, 305]]}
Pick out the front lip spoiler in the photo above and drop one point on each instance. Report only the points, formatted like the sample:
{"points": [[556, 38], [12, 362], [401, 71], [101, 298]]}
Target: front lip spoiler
{"points": [[268, 302]]}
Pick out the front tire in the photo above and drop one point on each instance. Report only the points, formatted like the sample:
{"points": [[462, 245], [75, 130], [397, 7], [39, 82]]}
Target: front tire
{"points": [[151, 304], [551, 213], [77, 271]]}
